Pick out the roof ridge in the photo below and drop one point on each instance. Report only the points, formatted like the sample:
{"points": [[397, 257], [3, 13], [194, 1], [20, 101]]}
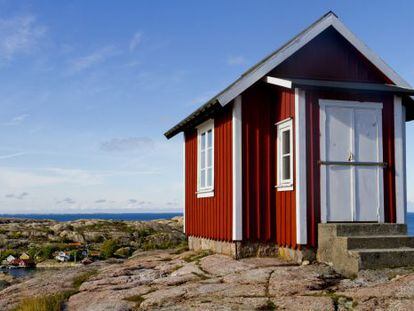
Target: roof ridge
{"points": [[271, 61]]}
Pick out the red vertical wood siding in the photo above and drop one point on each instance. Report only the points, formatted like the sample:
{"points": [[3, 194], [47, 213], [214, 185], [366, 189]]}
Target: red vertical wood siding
{"points": [[211, 217], [286, 200], [258, 153], [330, 57], [313, 153], [268, 214]]}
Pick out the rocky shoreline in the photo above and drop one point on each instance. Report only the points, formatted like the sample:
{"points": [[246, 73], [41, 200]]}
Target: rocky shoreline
{"points": [[42, 240], [178, 279]]}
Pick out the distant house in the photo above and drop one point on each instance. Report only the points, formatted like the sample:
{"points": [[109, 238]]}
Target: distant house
{"points": [[10, 258], [23, 263], [62, 257], [24, 256], [312, 134]]}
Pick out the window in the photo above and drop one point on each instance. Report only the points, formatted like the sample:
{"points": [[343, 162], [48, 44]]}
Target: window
{"points": [[206, 159], [284, 155]]}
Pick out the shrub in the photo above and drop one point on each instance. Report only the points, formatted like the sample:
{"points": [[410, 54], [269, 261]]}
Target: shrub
{"points": [[46, 251], [108, 249], [15, 235], [146, 231]]}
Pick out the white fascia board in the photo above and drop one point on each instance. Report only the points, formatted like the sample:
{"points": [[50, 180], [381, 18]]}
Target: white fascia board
{"points": [[278, 82], [300, 160], [184, 182], [400, 170], [369, 54], [330, 20], [273, 61], [237, 228]]}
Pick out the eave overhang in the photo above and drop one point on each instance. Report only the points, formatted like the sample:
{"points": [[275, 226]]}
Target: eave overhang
{"points": [[339, 85], [197, 117]]}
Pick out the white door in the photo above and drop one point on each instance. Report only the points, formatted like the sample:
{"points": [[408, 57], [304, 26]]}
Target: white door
{"points": [[351, 161]]}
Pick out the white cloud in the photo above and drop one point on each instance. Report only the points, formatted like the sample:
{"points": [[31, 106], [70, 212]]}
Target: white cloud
{"points": [[12, 155], [19, 35], [17, 120], [20, 178], [236, 60], [135, 41], [95, 58], [128, 144]]}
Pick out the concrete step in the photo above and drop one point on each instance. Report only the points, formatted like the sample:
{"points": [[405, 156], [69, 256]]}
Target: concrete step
{"points": [[363, 229], [378, 241], [384, 258]]}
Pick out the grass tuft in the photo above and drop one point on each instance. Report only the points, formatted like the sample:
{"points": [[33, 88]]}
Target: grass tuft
{"points": [[82, 278], [52, 302], [138, 299], [197, 256]]}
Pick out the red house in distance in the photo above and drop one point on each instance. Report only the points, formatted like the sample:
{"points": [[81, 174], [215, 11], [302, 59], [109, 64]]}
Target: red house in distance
{"points": [[313, 134]]}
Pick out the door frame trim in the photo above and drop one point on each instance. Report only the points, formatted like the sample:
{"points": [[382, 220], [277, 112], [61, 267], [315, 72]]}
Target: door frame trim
{"points": [[323, 103]]}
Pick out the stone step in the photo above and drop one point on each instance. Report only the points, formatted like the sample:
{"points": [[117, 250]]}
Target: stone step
{"points": [[378, 241], [384, 258], [363, 229]]}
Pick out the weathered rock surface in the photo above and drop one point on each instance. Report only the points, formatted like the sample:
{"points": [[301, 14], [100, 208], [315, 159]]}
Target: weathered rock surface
{"points": [[165, 280], [184, 280]]}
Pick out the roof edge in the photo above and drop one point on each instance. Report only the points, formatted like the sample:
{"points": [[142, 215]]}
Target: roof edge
{"points": [[258, 71]]}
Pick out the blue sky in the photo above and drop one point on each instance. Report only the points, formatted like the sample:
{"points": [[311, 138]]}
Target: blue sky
{"points": [[88, 87]]}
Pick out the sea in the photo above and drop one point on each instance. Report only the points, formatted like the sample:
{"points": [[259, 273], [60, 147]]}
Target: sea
{"points": [[135, 216], [105, 216]]}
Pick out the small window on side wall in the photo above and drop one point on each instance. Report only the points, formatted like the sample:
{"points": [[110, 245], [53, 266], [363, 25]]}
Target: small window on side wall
{"points": [[205, 159], [284, 155]]}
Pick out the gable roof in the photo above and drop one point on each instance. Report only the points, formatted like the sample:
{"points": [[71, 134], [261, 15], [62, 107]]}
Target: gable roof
{"points": [[262, 68]]}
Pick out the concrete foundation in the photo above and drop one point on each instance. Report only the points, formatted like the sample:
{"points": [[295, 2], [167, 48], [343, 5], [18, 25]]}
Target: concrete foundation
{"points": [[238, 249]]}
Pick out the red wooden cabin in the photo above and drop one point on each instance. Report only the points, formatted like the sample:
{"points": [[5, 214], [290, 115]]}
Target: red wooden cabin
{"points": [[313, 133]]}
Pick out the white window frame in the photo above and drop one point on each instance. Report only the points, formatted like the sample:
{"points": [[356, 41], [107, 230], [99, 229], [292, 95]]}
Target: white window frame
{"points": [[284, 184], [207, 191]]}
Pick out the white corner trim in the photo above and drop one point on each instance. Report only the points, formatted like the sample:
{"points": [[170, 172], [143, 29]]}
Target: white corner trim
{"points": [[399, 137], [322, 150], [278, 82], [285, 52], [300, 158], [237, 232], [184, 182]]}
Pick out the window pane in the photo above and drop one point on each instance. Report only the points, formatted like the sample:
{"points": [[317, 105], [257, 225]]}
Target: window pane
{"points": [[286, 167], [209, 177], [285, 142], [203, 159], [202, 178], [209, 138], [210, 157], [203, 141]]}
